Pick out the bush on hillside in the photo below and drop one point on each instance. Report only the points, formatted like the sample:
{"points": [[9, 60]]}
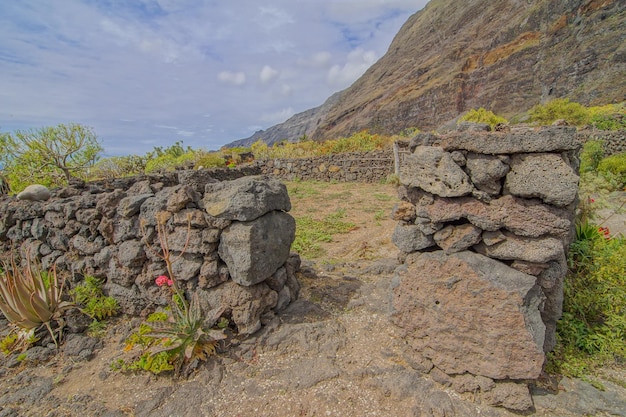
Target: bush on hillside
{"points": [[613, 168], [591, 155], [560, 108], [483, 115]]}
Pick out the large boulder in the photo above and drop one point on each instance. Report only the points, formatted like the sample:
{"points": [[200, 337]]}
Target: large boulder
{"points": [[246, 198], [468, 313], [431, 169], [254, 250]]}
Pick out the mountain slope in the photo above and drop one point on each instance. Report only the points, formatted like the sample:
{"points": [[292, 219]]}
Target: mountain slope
{"points": [[505, 55]]}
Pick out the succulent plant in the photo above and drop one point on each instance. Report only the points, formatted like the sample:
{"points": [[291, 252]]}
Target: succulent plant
{"points": [[31, 297]]}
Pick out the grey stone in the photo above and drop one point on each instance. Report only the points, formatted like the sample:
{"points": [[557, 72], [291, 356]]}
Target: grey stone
{"points": [[86, 246], [486, 171], [129, 298], [546, 176], [409, 238], [537, 250], [457, 238], [129, 206], [131, 254], [529, 218], [433, 170], [247, 304], [187, 266], [278, 279], [196, 179], [580, 398], [246, 198], [510, 395], [34, 192], [75, 344], [254, 250]]}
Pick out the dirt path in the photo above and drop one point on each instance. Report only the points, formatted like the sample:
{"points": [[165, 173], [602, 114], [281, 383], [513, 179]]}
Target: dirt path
{"points": [[332, 353]]}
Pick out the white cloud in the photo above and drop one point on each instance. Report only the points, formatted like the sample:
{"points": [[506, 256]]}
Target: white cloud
{"points": [[286, 90], [234, 78], [317, 60], [358, 61], [278, 116], [272, 17], [185, 133], [268, 74]]}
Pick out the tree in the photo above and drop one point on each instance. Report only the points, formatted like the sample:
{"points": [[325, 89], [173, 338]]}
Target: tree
{"points": [[50, 154]]}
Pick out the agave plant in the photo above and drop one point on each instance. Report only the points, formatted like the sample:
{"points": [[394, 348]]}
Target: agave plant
{"points": [[30, 297], [184, 335]]}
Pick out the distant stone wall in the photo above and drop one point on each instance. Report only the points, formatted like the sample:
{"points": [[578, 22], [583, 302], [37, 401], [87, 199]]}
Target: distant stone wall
{"points": [[367, 167], [484, 226], [614, 141], [234, 236]]}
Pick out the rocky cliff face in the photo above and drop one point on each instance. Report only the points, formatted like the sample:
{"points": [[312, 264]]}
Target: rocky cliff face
{"points": [[505, 56]]}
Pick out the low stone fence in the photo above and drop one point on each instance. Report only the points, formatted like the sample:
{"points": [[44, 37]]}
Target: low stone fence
{"points": [[230, 239], [614, 140], [367, 167], [484, 227]]}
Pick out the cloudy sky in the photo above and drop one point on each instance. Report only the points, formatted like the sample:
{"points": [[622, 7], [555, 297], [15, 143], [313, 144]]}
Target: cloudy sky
{"points": [[145, 73]]}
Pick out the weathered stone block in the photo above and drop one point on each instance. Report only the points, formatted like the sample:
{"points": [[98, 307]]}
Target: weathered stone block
{"points": [[246, 199], [486, 171], [537, 250], [546, 176], [254, 250], [409, 238], [457, 238], [433, 170], [470, 313]]}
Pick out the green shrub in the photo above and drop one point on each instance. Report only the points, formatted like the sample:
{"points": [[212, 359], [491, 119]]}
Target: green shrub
{"points": [[209, 160], [592, 330], [591, 155], [608, 117], [118, 167], [560, 108], [483, 115], [89, 295], [614, 168]]}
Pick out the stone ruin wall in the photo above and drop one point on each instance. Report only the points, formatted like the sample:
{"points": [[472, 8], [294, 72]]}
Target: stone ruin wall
{"points": [[484, 227], [235, 234]]}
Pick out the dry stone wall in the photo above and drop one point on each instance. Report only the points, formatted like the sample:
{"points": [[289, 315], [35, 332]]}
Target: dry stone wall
{"points": [[484, 225], [231, 239], [368, 167], [614, 140]]}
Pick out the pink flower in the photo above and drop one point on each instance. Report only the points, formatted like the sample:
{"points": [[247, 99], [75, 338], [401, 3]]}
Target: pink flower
{"points": [[163, 280], [591, 200]]}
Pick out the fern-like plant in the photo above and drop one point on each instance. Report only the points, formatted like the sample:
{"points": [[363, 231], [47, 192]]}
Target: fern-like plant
{"points": [[31, 297]]}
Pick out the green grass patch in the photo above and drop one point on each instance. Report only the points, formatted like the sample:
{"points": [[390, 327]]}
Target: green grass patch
{"points": [[383, 197], [311, 233], [303, 189]]}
